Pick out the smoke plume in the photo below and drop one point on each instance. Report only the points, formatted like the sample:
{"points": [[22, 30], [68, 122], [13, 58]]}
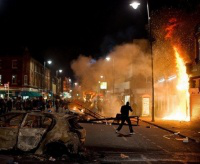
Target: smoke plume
{"points": [[126, 61]]}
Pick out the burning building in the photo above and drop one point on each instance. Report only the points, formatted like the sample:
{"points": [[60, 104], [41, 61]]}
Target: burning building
{"points": [[173, 51], [194, 74]]}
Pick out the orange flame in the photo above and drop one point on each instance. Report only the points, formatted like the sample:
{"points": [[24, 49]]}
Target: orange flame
{"points": [[181, 112], [170, 28], [183, 79]]}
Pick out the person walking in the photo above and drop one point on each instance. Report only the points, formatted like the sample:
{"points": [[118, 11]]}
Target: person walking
{"points": [[57, 105], [125, 117]]}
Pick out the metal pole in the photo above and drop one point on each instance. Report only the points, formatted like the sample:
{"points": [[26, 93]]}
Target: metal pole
{"points": [[44, 77], [152, 73], [57, 88], [8, 90]]}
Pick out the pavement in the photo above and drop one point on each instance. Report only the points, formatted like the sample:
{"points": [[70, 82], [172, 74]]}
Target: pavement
{"points": [[189, 129], [185, 129]]}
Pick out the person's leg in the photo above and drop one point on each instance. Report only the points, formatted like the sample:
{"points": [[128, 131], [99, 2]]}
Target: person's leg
{"points": [[121, 125], [129, 124]]}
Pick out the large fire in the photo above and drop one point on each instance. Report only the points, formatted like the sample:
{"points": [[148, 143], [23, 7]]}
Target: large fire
{"points": [[182, 109]]}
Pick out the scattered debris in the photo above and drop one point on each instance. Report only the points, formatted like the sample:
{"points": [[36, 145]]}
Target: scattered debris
{"points": [[124, 156], [179, 139], [177, 133], [52, 159], [41, 158], [186, 140], [167, 136]]}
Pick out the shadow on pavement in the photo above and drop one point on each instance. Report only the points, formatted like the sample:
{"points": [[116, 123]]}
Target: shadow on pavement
{"points": [[123, 135]]}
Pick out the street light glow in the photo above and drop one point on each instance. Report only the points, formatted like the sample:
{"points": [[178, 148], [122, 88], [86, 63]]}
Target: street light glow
{"points": [[49, 62], [135, 5], [108, 58], [60, 70]]}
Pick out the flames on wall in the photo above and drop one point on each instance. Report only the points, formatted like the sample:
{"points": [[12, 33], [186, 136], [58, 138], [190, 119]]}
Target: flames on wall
{"points": [[182, 108]]}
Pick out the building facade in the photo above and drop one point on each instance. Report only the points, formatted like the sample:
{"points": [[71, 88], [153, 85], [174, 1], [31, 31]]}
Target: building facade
{"points": [[22, 75], [194, 74]]}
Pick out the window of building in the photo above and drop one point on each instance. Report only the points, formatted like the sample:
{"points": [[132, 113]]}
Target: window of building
{"points": [[14, 63], [25, 80], [14, 79]]}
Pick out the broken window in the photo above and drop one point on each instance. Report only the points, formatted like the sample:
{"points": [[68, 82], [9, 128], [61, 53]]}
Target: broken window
{"points": [[35, 121], [11, 120]]}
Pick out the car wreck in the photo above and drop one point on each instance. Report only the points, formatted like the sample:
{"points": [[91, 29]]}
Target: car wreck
{"points": [[41, 133]]}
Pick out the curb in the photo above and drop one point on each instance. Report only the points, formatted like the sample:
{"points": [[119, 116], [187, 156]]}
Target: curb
{"points": [[171, 131]]}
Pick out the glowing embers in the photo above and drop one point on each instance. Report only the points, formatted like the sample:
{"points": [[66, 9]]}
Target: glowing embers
{"points": [[181, 108]]}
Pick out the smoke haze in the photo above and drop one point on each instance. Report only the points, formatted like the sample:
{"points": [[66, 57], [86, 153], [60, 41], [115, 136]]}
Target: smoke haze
{"points": [[126, 61]]}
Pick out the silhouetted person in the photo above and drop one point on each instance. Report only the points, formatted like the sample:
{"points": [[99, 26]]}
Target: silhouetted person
{"points": [[125, 117], [9, 105], [57, 105]]}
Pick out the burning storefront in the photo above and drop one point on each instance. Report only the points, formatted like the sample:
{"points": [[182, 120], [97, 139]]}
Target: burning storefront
{"points": [[176, 81], [194, 74], [173, 101]]}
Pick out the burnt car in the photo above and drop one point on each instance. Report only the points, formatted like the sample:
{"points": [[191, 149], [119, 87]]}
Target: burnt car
{"points": [[41, 133]]}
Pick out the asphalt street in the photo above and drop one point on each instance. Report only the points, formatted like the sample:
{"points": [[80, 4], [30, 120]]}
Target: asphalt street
{"points": [[148, 144]]}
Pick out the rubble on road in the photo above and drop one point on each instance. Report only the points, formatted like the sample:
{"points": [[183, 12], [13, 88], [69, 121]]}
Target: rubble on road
{"points": [[124, 156]]}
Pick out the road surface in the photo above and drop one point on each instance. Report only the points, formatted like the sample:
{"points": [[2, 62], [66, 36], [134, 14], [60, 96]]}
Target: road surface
{"points": [[149, 144]]}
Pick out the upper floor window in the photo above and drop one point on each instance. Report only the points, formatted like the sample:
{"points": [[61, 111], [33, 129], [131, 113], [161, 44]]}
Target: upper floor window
{"points": [[14, 63], [14, 79], [25, 80]]}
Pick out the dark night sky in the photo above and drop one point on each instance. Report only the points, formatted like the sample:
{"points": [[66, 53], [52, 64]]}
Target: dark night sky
{"points": [[61, 30]]}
